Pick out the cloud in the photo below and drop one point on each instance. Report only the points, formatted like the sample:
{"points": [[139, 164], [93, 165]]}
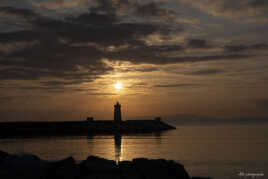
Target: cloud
{"points": [[9, 47], [76, 47], [19, 36], [262, 103], [152, 9], [61, 83], [54, 48], [207, 72], [60, 4], [102, 94], [239, 48], [49, 86], [52, 59], [186, 20], [6, 99], [93, 18], [139, 85], [138, 69], [149, 56], [180, 85], [69, 49], [12, 12], [230, 8], [146, 69], [197, 43]]}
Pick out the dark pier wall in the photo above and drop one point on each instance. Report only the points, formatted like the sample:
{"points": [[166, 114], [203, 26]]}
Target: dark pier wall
{"points": [[81, 127]]}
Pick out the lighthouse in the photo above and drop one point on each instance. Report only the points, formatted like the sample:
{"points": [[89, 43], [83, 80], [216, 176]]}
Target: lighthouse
{"points": [[117, 113]]}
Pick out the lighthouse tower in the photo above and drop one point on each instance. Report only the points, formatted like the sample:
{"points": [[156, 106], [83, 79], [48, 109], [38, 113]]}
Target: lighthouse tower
{"points": [[117, 113]]}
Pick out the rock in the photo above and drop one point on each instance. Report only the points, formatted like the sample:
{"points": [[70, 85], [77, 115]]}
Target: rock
{"points": [[65, 163], [23, 162], [31, 167], [96, 165], [128, 171], [126, 166], [3, 155], [159, 168], [23, 166], [179, 170], [65, 168], [102, 176]]}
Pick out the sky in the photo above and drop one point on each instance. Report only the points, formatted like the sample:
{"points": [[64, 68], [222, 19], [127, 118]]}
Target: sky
{"points": [[60, 59]]}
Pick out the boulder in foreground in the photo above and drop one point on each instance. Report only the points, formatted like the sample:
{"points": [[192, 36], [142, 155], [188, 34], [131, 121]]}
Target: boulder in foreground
{"points": [[32, 167]]}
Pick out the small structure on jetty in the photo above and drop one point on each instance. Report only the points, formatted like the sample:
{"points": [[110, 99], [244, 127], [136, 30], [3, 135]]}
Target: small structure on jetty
{"points": [[85, 127]]}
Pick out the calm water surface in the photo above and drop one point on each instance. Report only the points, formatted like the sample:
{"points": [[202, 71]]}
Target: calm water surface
{"points": [[217, 151]]}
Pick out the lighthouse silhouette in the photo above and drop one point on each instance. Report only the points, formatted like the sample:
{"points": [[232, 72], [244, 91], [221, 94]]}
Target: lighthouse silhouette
{"points": [[117, 113]]}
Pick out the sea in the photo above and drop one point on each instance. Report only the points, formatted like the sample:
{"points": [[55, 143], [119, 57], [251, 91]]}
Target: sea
{"points": [[219, 151]]}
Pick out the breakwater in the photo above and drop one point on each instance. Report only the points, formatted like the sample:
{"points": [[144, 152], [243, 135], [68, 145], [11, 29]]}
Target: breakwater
{"points": [[92, 127]]}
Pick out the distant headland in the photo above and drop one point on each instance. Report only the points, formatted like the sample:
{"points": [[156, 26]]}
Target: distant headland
{"points": [[86, 127]]}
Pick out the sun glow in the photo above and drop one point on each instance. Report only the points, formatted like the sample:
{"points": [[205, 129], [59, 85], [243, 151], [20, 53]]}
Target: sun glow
{"points": [[118, 86]]}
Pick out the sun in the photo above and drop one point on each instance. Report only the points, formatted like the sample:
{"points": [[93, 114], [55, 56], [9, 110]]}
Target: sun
{"points": [[118, 86]]}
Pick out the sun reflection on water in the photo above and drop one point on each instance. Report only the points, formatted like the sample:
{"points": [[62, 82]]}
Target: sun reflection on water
{"points": [[117, 148]]}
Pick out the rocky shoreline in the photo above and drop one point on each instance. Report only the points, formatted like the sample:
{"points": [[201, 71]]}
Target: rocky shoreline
{"points": [[32, 167]]}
